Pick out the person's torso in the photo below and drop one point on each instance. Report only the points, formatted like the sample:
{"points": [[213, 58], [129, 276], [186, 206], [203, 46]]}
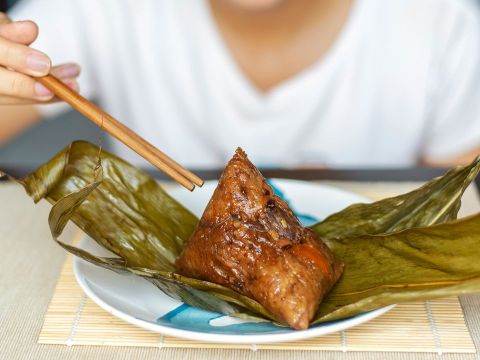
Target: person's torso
{"points": [[163, 69]]}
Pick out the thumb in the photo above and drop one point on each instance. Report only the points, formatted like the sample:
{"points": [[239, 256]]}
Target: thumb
{"points": [[22, 32], [4, 19]]}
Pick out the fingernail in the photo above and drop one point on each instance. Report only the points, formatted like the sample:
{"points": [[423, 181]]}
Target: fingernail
{"points": [[42, 91], [69, 71], [38, 62]]}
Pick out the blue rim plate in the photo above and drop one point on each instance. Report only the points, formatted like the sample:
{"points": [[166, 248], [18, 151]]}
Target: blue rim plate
{"points": [[136, 301]]}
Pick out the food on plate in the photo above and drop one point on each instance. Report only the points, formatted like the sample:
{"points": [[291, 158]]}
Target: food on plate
{"points": [[250, 241], [410, 247]]}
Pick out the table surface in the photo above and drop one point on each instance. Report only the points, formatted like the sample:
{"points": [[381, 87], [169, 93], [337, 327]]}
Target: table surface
{"points": [[30, 263]]}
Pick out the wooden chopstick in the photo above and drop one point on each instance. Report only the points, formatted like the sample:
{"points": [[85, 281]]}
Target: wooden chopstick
{"points": [[122, 133]]}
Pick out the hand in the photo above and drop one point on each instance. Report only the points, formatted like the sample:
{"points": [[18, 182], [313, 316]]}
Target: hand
{"points": [[19, 64]]}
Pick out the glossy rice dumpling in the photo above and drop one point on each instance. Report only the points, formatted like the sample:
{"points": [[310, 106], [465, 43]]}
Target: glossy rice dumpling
{"points": [[249, 240]]}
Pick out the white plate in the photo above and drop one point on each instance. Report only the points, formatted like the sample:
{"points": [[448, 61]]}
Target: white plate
{"points": [[136, 301]]}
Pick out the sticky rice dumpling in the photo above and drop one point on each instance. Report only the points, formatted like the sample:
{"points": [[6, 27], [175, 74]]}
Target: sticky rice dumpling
{"points": [[249, 240]]}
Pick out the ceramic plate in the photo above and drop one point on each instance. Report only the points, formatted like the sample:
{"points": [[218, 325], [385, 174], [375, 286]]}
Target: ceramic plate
{"points": [[138, 302]]}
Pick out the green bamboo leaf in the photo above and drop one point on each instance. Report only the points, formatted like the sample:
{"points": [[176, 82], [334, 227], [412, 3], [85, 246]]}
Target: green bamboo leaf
{"points": [[128, 213], [436, 202], [414, 264]]}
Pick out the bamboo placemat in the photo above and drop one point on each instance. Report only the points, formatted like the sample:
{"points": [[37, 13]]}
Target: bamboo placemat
{"points": [[433, 326], [436, 326]]}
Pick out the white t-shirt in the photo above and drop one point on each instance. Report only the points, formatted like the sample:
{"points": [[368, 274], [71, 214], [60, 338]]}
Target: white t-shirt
{"points": [[402, 81]]}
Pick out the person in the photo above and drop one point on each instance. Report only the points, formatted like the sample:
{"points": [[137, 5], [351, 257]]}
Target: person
{"points": [[337, 83]]}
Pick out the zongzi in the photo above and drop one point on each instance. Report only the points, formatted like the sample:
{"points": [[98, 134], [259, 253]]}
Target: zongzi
{"points": [[250, 241]]}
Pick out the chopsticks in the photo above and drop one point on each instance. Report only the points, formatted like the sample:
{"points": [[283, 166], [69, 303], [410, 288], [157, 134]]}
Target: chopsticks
{"points": [[122, 133]]}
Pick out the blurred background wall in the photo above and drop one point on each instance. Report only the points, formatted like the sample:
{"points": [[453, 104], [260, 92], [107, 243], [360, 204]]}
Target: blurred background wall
{"points": [[48, 137]]}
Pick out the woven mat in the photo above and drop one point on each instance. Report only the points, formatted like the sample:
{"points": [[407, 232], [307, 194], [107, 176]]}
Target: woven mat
{"points": [[436, 326], [433, 326]]}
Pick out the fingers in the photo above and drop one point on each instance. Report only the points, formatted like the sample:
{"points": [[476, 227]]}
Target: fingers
{"points": [[22, 32], [66, 71], [22, 86], [14, 54], [19, 63], [23, 59], [28, 90], [4, 19], [10, 100]]}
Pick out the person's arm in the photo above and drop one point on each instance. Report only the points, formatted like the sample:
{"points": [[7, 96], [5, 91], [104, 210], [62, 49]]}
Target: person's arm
{"points": [[19, 65], [462, 159], [15, 119]]}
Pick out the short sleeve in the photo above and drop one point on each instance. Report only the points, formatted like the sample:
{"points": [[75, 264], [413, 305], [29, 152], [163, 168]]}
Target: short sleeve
{"points": [[454, 124], [60, 25]]}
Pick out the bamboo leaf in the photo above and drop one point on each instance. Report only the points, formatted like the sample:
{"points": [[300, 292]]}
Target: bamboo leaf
{"points": [[436, 202], [414, 264], [129, 214], [392, 250]]}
